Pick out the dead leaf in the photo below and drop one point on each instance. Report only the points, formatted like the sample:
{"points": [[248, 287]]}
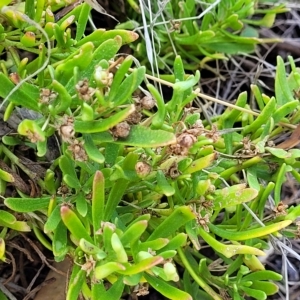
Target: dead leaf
{"points": [[292, 141]]}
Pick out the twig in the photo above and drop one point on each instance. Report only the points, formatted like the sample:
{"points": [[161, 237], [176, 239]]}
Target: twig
{"points": [[13, 245], [34, 278], [14, 268], [7, 292], [41, 255]]}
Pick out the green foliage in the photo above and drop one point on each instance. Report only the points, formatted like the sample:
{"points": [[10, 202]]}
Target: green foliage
{"points": [[134, 189], [227, 28]]}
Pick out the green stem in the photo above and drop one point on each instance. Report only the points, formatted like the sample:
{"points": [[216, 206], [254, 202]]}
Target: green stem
{"points": [[200, 281]]}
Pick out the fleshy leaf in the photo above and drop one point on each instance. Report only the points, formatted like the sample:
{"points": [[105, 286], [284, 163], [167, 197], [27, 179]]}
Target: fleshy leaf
{"points": [[139, 136], [27, 204], [233, 195]]}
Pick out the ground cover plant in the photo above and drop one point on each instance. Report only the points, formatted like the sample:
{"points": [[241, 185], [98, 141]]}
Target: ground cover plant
{"points": [[139, 192]]}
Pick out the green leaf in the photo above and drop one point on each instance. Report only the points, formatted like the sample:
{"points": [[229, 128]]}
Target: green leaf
{"points": [[192, 234], [7, 217], [6, 176], [280, 179], [82, 20], [98, 200], [177, 241], [263, 117], [257, 94], [16, 225], [27, 204], [285, 110], [73, 223], [199, 38], [81, 58], [262, 275], [72, 182], [133, 279], [259, 295], [91, 249], [102, 271], [126, 168], [67, 166], [27, 95], [32, 130], [75, 283], [53, 220], [234, 195], [2, 295], [103, 124], [64, 99], [60, 241], [98, 290], [252, 178], [159, 118], [154, 245], [282, 91], [115, 195], [230, 48], [119, 76], [5, 2], [134, 232], [229, 117], [228, 250], [269, 288], [92, 151], [42, 148], [143, 265], [178, 69], [163, 186], [248, 234], [200, 163], [116, 290], [278, 152], [105, 51], [182, 86], [128, 86], [121, 255], [140, 136], [172, 223], [100, 36], [81, 204], [166, 289]]}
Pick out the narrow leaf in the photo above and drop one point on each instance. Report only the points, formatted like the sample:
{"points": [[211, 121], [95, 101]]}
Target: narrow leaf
{"points": [[27, 204], [166, 289], [75, 283], [98, 200], [282, 91], [114, 197], [248, 234], [172, 223], [103, 124], [73, 223], [140, 136]]}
